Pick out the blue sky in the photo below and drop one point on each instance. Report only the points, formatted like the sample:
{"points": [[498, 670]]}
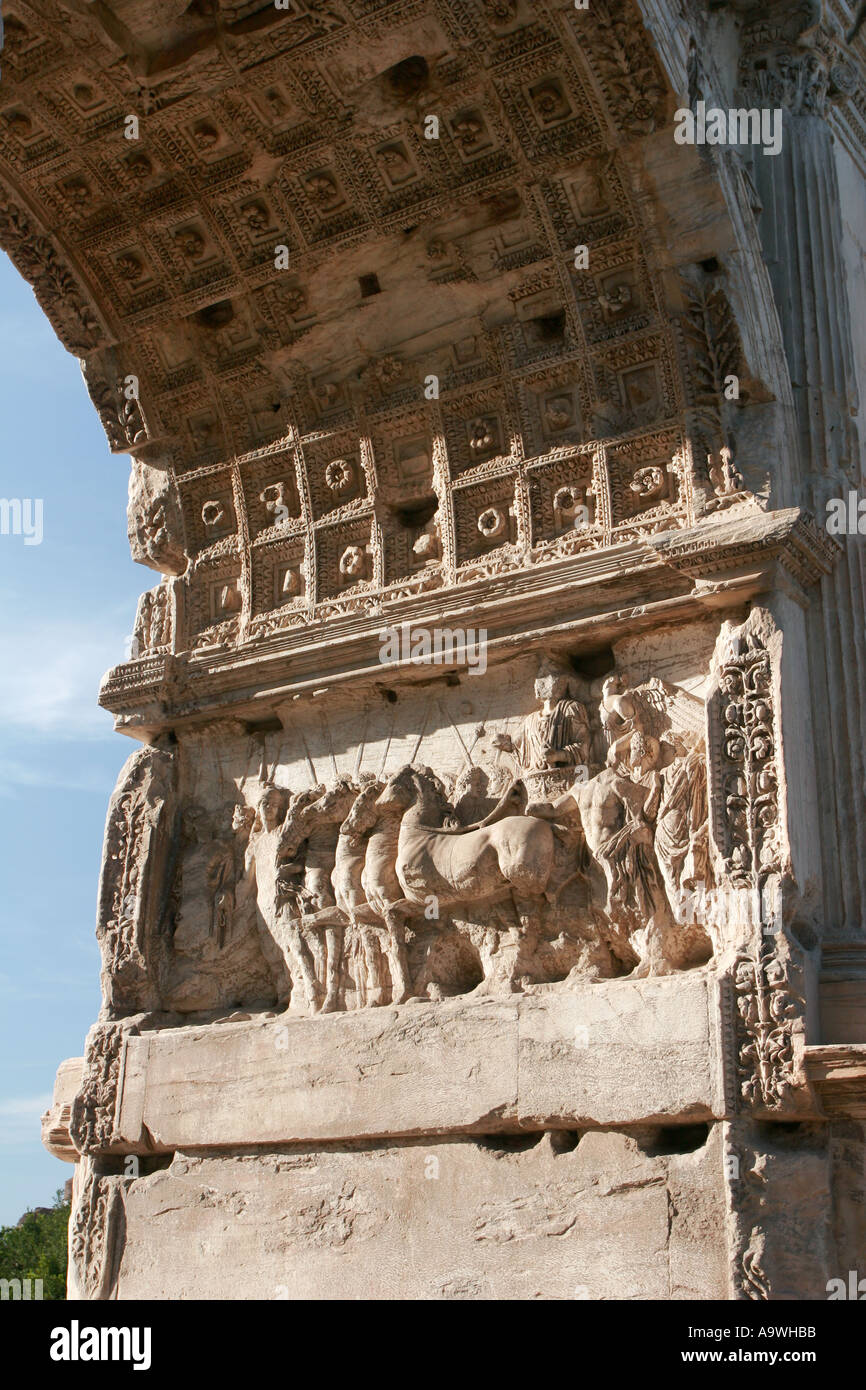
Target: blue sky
{"points": [[66, 606]]}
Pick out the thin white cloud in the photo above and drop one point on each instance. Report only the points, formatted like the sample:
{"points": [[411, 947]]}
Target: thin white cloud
{"points": [[17, 774], [49, 679], [19, 1119]]}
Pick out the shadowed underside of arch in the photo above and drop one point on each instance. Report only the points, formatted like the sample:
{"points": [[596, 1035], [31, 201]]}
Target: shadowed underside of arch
{"points": [[384, 299]]}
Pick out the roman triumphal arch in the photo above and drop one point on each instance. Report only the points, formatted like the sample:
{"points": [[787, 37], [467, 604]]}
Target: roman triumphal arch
{"points": [[487, 873]]}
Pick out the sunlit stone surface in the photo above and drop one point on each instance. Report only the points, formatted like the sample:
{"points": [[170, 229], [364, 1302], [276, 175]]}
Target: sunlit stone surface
{"points": [[481, 910]]}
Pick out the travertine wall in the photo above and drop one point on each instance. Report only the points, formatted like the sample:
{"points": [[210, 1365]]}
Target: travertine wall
{"points": [[452, 1219]]}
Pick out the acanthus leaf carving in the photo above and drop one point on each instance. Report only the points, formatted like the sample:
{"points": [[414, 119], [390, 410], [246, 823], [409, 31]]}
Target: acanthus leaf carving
{"points": [[56, 288]]}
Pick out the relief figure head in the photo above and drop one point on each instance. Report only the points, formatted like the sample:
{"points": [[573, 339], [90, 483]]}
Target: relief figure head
{"points": [[272, 807]]}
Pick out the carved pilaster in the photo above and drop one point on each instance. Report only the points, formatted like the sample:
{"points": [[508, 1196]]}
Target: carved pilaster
{"points": [[97, 1233], [768, 1028], [743, 744], [91, 1125], [133, 894], [794, 57], [779, 1212], [767, 982]]}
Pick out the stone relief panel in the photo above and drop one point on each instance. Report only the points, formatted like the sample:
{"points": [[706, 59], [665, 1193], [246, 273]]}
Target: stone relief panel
{"points": [[154, 519], [280, 584], [209, 513], [493, 521], [649, 484], [486, 518], [154, 623], [544, 827], [271, 498], [91, 1125], [564, 501], [213, 600], [335, 474]]}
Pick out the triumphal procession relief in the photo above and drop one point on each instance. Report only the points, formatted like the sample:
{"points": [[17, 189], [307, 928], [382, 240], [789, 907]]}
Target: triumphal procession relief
{"points": [[496, 773], [362, 886]]}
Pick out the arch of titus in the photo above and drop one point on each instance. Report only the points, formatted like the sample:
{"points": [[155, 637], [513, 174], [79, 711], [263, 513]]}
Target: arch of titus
{"points": [[482, 902]]}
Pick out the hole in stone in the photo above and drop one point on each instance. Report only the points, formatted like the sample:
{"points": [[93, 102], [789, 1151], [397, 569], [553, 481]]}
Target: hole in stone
{"points": [[216, 315], [454, 965], [551, 327], [270, 725], [408, 77], [108, 1165], [120, 1165], [509, 1143], [155, 1163], [789, 1134], [676, 1139], [452, 679], [711, 265], [417, 513], [565, 1141], [369, 285], [390, 696], [591, 665], [407, 231]]}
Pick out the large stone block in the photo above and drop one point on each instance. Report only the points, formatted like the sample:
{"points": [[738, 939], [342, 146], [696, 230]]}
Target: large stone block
{"points": [[441, 1219], [619, 1052]]}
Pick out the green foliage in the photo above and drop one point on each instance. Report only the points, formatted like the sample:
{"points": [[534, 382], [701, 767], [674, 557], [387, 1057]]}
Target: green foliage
{"points": [[37, 1249]]}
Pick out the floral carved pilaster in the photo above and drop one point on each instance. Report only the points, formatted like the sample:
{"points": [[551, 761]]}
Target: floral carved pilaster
{"points": [[97, 1234], [746, 815], [134, 886], [770, 1004], [92, 1123], [765, 981]]}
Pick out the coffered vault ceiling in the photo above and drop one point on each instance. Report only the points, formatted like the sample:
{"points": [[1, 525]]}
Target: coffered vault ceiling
{"points": [[331, 298]]}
